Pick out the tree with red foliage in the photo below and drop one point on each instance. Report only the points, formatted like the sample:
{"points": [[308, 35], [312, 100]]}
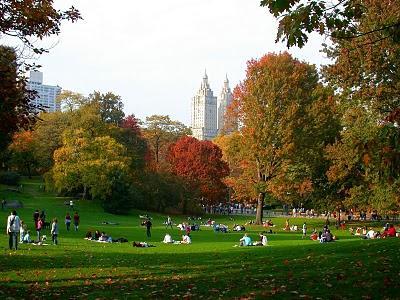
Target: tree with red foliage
{"points": [[200, 165], [132, 123]]}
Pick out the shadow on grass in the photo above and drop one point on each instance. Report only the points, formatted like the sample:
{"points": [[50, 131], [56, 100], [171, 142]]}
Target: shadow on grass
{"points": [[277, 271]]}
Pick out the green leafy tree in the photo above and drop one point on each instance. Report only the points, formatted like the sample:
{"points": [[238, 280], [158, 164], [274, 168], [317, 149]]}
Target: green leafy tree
{"points": [[338, 19], [368, 80], [92, 163], [48, 131], [71, 101], [160, 132], [109, 105]]}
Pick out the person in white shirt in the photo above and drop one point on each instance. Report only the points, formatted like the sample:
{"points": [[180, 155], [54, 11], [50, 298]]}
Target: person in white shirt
{"points": [[264, 240], [370, 234], [168, 222], [13, 227], [186, 239], [304, 230], [54, 231], [167, 239]]}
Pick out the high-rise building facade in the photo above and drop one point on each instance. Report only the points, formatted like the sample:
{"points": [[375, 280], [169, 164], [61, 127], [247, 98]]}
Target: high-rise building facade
{"points": [[207, 113], [224, 100], [204, 112], [46, 94]]}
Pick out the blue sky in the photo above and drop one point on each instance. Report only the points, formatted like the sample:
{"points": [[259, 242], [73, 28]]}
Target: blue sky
{"points": [[153, 53]]}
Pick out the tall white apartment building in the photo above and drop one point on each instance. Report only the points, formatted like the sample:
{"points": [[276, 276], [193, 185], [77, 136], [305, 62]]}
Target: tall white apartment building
{"points": [[204, 112], [224, 100], [207, 113], [46, 94]]}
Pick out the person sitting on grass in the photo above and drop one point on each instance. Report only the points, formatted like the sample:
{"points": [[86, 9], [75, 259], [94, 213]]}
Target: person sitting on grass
{"points": [[263, 240], [188, 229], [97, 235], [390, 232], [314, 236], [245, 241], [105, 238], [326, 237], [168, 239], [287, 225], [27, 238], [22, 231], [186, 239], [370, 234], [88, 236]]}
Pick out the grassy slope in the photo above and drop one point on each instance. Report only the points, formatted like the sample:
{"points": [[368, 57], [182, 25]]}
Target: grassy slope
{"points": [[211, 267]]}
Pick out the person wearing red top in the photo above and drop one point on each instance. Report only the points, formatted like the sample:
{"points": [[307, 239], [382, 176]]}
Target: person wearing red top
{"points": [[76, 221], [68, 221], [391, 231]]}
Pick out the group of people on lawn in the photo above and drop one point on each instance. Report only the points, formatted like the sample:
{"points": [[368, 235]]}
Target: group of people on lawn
{"points": [[388, 231], [17, 226]]}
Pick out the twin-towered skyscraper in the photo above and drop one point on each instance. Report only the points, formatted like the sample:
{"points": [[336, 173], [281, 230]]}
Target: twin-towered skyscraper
{"points": [[208, 112]]}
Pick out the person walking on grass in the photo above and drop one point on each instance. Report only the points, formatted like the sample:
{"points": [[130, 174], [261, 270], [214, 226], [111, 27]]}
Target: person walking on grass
{"points": [[13, 226], [39, 226], [68, 221], [168, 222], [54, 231], [76, 221], [304, 230], [36, 216], [148, 225]]}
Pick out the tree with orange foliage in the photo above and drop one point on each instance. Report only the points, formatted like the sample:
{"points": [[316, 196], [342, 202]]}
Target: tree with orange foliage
{"points": [[282, 108], [22, 150], [200, 165]]}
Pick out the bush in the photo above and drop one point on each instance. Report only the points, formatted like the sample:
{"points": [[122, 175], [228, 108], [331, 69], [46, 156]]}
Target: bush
{"points": [[9, 178]]}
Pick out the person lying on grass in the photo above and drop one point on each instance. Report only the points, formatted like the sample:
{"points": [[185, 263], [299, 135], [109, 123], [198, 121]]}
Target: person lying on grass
{"points": [[238, 227], [268, 223], [105, 238], [142, 245]]}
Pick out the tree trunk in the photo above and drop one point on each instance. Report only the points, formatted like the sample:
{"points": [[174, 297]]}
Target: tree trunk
{"points": [[84, 192], [184, 204], [28, 167], [260, 204]]}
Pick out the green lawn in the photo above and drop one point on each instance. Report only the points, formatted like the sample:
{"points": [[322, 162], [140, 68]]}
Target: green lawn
{"points": [[211, 267]]}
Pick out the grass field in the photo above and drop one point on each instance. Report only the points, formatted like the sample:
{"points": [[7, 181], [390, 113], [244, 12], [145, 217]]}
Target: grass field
{"points": [[211, 268]]}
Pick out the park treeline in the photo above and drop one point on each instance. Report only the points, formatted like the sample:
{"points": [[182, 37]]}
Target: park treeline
{"points": [[325, 138], [91, 150]]}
